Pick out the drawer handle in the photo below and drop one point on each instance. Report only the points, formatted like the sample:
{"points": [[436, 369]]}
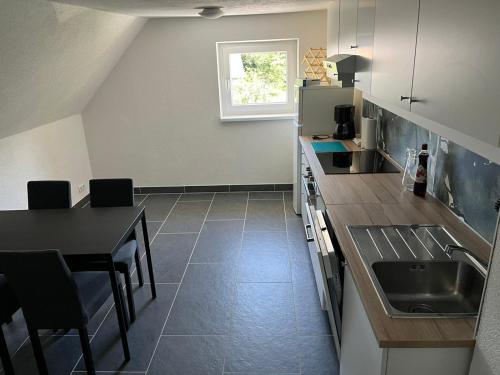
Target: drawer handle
{"points": [[352, 47], [403, 98], [307, 227]]}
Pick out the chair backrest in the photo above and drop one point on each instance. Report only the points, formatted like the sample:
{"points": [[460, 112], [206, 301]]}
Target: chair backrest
{"points": [[111, 192], [49, 194], [8, 301], [45, 288]]}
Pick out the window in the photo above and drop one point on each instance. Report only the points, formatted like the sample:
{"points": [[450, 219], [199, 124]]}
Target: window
{"points": [[256, 78]]}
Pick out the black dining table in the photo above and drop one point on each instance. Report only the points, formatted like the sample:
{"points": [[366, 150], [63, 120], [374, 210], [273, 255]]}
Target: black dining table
{"points": [[85, 237]]}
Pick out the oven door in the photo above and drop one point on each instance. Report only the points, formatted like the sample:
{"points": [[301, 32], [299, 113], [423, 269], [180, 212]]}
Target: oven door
{"points": [[329, 261]]}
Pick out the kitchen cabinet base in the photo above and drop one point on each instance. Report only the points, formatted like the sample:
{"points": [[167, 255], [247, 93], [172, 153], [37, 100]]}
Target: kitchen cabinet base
{"points": [[361, 355]]}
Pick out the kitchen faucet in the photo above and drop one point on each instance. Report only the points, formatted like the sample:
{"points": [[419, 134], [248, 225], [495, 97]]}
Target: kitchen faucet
{"points": [[450, 248]]}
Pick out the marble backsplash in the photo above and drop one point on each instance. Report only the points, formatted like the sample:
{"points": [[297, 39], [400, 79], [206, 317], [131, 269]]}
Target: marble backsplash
{"points": [[466, 182]]}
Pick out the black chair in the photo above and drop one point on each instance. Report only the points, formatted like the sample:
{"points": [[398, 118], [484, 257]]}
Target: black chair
{"points": [[49, 194], [119, 192], [8, 306], [52, 297]]}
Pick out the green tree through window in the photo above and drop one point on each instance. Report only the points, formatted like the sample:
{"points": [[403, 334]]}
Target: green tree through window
{"points": [[258, 78]]}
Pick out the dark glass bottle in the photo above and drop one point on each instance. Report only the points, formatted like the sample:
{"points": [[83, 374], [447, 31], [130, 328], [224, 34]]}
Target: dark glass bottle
{"points": [[420, 186]]}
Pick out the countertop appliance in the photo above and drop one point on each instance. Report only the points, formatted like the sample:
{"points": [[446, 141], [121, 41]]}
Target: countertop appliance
{"points": [[324, 250], [315, 115], [355, 162], [344, 122]]}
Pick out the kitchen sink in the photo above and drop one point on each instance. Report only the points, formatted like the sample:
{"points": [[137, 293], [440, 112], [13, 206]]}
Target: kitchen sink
{"points": [[440, 288], [413, 273]]}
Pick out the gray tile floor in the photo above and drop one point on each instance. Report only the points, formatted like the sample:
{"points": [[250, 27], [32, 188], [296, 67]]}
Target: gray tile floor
{"points": [[236, 295]]}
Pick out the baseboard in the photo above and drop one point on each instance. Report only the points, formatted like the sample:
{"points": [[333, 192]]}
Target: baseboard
{"points": [[82, 202], [211, 188]]}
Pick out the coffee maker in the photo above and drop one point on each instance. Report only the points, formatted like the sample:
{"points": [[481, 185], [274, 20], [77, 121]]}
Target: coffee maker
{"points": [[344, 119]]}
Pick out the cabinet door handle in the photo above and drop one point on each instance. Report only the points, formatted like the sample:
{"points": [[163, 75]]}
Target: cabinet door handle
{"points": [[352, 47], [411, 99], [307, 227]]}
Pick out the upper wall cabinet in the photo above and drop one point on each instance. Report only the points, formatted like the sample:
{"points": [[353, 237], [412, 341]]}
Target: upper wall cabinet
{"points": [[348, 25], [332, 28], [456, 67], [394, 50], [364, 37]]}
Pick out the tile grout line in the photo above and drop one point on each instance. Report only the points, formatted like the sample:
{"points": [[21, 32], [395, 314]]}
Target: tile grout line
{"points": [[265, 231], [199, 200], [180, 283], [19, 348], [200, 335], [220, 192], [108, 372], [142, 200], [225, 219], [179, 192], [177, 232], [157, 233], [267, 199], [148, 283], [263, 335], [236, 283], [179, 201]]}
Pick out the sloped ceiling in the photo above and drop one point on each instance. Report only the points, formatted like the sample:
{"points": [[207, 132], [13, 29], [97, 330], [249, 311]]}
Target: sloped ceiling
{"points": [[53, 57], [186, 8]]}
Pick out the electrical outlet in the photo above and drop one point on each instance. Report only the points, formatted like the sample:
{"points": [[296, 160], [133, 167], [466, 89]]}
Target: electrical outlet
{"points": [[81, 189]]}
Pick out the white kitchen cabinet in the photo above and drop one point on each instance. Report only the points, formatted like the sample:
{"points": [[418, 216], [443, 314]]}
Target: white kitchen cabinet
{"points": [[361, 354], [357, 335], [394, 50], [348, 26], [456, 66], [332, 28], [364, 41]]}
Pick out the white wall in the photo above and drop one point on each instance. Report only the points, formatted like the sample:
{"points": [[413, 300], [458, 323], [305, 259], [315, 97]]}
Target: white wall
{"points": [[54, 151], [53, 57], [486, 360], [156, 117]]}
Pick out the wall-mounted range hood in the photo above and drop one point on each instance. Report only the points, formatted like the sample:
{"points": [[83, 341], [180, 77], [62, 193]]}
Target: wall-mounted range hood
{"points": [[341, 69]]}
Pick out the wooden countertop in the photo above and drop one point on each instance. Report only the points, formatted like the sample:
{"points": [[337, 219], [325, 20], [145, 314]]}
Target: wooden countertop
{"points": [[366, 199]]}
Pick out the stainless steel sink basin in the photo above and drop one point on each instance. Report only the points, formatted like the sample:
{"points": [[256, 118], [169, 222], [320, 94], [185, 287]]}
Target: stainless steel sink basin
{"points": [[414, 275], [427, 288]]}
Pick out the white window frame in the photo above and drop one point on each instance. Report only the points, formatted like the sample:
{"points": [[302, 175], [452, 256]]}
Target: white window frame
{"points": [[230, 112]]}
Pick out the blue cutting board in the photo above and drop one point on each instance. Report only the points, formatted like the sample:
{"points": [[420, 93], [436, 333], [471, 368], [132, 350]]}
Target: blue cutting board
{"points": [[335, 146]]}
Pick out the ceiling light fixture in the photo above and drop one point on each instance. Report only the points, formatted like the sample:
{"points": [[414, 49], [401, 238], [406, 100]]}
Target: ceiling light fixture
{"points": [[211, 12]]}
